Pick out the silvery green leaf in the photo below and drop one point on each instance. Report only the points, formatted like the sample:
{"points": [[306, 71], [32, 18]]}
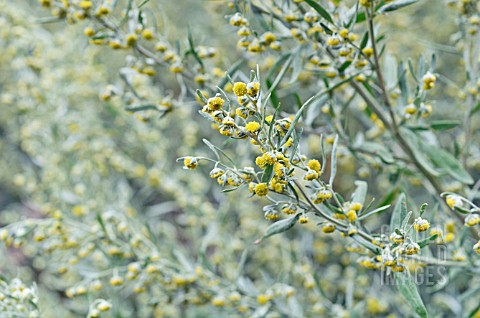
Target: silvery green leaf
{"points": [[395, 5], [408, 289], [399, 212]]}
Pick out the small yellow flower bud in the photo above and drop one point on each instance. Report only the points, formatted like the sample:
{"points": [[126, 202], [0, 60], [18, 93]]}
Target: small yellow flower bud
{"points": [[215, 103], [303, 219], [116, 281], [398, 268], [328, 228], [262, 299], [352, 215], [314, 164], [268, 37], [104, 305], [261, 189], [343, 33], [365, 3], [218, 301], [472, 220], [449, 237], [410, 109], [356, 206], [46, 3], [131, 39], [252, 127], [103, 10], [176, 68], [453, 200], [311, 175], [411, 249], [190, 163], [476, 247], [421, 225], [148, 34], [368, 51], [397, 238], [85, 4], [333, 41], [253, 88], [89, 31], [240, 88], [429, 81]]}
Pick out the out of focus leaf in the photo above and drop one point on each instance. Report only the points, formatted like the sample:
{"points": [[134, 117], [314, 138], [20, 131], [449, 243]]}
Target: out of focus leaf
{"points": [[317, 7], [333, 169], [364, 41], [281, 226], [449, 163], [378, 149], [140, 108], [297, 66], [476, 108], [423, 208], [398, 4], [231, 71], [444, 124], [418, 150], [281, 74]]}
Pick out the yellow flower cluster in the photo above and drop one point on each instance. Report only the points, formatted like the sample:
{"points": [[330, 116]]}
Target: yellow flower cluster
{"points": [[190, 163], [421, 225], [249, 40], [429, 81]]}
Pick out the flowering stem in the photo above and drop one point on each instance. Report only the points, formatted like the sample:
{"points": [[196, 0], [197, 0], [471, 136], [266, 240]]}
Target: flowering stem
{"points": [[378, 70], [327, 217]]}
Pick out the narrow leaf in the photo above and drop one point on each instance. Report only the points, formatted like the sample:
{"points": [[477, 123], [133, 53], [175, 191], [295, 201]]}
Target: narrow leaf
{"points": [[344, 66], [281, 226], [144, 2], [364, 41], [407, 288], [267, 174], [427, 241], [406, 220], [317, 7], [417, 146], [448, 162], [396, 5], [423, 208], [333, 169], [444, 124], [377, 210], [297, 67], [280, 75], [360, 192], [140, 108], [231, 71], [475, 109], [212, 148], [399, 212], [201, 96], [192, 48]]}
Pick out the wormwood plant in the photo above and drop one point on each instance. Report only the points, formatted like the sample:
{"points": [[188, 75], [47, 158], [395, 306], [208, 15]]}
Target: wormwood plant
{"points": [[353, 148]]}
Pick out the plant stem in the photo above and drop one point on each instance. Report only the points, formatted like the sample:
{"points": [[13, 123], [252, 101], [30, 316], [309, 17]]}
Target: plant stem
{"points": [[376, 63]]}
